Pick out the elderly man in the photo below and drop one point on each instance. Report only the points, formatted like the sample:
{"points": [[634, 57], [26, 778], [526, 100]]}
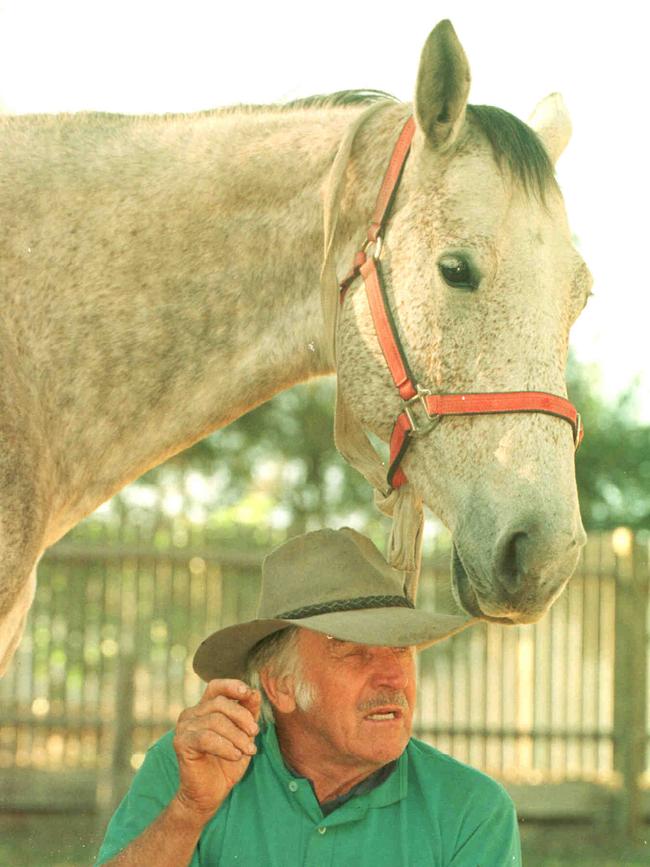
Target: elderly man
{"points": [[300, 750]]}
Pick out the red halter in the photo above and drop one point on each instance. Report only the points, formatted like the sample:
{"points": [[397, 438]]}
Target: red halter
{"points": [[416, 399]]}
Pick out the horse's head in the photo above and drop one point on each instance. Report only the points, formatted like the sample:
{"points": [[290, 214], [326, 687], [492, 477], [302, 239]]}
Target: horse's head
{"points": [[484, 283]]}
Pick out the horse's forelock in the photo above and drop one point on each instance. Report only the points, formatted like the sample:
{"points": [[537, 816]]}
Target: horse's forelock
{"points": [[515, 145]]}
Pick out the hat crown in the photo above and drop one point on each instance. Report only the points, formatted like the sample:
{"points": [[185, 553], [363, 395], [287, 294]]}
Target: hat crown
{"points": [[322, 567]]}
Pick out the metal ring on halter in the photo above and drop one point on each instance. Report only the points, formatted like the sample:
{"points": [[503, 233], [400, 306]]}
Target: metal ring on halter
{"points": [[432, 420], [376, 253]]}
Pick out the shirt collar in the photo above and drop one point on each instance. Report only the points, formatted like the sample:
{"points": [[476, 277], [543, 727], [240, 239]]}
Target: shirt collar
{"points": [[391, 789]]}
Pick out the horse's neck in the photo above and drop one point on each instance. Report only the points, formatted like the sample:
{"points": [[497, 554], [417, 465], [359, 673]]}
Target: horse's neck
{"points": [[185, 255]]}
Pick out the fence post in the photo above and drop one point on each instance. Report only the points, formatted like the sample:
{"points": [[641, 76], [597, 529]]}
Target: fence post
{"points": [[630, 679], [122, 744], [121, 770]]}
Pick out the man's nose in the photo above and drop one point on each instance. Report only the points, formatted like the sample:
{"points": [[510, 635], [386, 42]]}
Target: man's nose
{"points": [[390, 671]]}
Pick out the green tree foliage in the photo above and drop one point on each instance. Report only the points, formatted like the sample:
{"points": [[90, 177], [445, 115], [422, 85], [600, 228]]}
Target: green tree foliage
{"points": [[613, 462]]}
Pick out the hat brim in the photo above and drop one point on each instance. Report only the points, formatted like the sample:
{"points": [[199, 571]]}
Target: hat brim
{"points": [[224, 653]]}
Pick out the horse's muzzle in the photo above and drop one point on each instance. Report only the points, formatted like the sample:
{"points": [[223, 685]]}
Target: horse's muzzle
{"points": [[519, 586]]}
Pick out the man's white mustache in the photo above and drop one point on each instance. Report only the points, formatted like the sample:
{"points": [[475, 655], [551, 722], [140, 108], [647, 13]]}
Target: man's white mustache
{"points": [[382, 700]]}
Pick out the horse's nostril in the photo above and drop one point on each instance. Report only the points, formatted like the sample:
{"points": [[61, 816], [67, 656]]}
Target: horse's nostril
{"points": [[512, 565], [530, 560]]}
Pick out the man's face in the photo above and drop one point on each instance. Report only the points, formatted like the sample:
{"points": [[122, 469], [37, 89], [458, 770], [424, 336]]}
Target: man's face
{"points": [[364, 699]]}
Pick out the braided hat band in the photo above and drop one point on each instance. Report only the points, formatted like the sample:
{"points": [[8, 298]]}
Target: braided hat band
{"points": [[358, 604]]}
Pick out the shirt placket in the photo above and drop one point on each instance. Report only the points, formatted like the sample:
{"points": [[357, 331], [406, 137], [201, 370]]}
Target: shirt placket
{"points": [[320, 846], [319, 851]]}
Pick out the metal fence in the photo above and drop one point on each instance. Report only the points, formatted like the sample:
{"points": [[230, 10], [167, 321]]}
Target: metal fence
{"points": [[559, 711]]}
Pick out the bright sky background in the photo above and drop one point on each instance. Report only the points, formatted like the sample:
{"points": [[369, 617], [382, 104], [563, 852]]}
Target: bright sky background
{"points": [[185, 55]]}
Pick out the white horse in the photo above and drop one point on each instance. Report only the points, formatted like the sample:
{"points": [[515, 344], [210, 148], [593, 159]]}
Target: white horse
{"points": [[159, 276]]}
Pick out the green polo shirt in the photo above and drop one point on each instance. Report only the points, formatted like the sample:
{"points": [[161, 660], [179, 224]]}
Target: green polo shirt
{"points": [[432, 810]]}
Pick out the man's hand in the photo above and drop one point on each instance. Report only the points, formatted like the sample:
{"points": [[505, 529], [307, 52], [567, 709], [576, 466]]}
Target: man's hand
{"points": [[214, 742]]}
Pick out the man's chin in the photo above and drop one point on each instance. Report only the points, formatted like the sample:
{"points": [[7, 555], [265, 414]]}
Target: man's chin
{"points": [[384, 744]]}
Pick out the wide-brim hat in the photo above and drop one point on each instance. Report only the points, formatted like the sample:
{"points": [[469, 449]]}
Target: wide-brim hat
{"points": [[331, 581]]}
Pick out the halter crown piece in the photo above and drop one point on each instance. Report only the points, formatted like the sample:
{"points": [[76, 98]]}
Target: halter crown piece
{"points": [[421, 409]]}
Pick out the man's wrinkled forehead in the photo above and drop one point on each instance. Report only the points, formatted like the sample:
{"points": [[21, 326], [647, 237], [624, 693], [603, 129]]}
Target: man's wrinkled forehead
{"points": [[340, 647]]}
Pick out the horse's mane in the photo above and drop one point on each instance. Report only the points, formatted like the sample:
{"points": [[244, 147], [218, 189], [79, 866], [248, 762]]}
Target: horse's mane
{"points": [[338, 99], [341, 97]]}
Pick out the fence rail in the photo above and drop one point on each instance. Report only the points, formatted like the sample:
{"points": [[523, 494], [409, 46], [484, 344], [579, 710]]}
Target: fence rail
{"points": [[105, 667]]}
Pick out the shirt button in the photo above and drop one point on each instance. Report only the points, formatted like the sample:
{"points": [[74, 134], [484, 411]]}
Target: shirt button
{"points": [[322, 830], [293, 786]]}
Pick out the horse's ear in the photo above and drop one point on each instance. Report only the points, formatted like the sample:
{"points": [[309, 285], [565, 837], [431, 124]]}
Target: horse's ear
{"points": [[552, 123], [442, 87]]}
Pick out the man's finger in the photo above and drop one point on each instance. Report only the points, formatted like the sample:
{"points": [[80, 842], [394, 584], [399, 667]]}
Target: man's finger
{"points": [[228, 686], [252, 701], [234, 710], [222, 726], [208, 742]]}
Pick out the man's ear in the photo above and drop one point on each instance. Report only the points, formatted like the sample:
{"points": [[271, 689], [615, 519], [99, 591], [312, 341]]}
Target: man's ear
{"points": [[279, 690]]}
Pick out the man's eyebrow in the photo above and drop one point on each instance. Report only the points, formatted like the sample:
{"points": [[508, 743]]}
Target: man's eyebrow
{"points": [[339, 643], [342, 644]]}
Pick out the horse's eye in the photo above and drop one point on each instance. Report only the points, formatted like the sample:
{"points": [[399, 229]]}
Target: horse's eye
{"points": [[457, 272]]}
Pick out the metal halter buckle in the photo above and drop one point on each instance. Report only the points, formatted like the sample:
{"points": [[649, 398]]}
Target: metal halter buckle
{"points": [[377, 244], [409, 405]]}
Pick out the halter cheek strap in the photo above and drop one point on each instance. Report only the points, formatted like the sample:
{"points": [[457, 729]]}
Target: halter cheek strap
{"points": [[421, 409]]}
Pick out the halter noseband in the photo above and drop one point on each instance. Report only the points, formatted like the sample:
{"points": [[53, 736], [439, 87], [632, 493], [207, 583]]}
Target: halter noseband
{"points": [[421, 409]]}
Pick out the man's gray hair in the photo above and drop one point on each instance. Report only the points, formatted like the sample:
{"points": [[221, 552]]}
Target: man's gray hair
{"points": [[278, 653]]}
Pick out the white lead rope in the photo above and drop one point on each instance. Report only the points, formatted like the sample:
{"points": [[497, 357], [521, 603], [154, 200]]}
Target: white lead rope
{"points": [[404, 505]]}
